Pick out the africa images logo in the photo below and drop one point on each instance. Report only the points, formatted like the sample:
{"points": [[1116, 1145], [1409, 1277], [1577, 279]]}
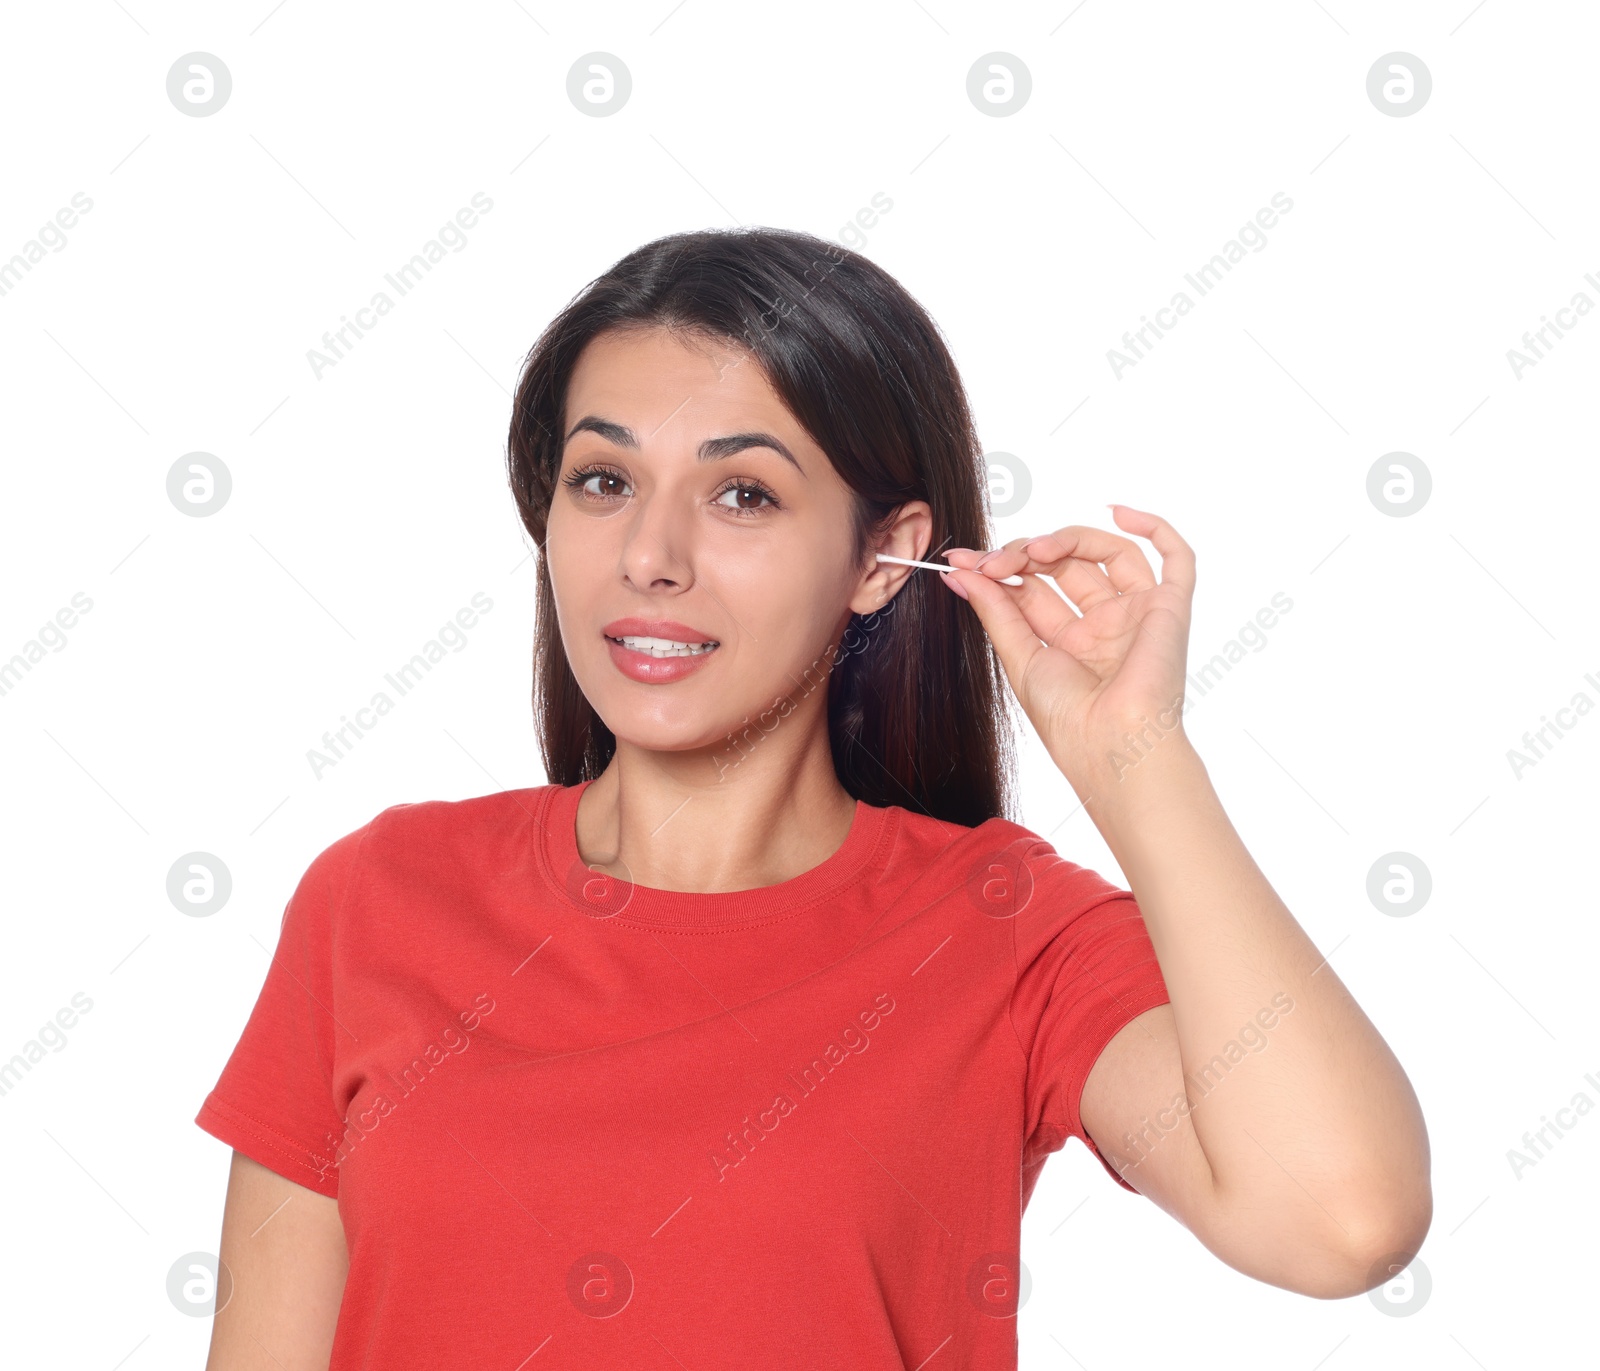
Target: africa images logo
{"points": [[741, 1145], [360, 1123]]}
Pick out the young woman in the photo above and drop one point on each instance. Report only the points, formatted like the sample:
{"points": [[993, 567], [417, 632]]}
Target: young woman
{"points": [[743, 1041]]}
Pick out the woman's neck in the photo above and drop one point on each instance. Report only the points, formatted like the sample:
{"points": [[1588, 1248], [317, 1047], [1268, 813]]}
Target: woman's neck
{"points": [[657, 820]]}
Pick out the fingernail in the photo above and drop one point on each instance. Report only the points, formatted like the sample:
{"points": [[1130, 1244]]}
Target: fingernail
{"points": [[954, 584], [985, 558]]}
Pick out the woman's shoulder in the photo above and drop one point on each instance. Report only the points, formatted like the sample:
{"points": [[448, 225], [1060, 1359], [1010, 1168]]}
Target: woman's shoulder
{"points": [[942, 835], [977, 855], [425, 830], [473, 813], [925, 840]]}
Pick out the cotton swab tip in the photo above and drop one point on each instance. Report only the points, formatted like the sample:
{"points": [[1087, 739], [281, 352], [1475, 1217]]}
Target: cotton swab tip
{"points": [[934, 566]]}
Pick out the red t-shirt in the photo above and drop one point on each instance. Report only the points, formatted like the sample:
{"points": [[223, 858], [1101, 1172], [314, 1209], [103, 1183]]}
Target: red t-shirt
{"points": [[794, 1126]]}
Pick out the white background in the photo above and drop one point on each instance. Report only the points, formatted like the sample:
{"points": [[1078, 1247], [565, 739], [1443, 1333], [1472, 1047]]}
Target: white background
{"points": [[369, 504]]}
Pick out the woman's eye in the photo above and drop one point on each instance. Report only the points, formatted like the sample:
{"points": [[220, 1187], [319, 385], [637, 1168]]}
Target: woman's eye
{"points": [[747, 498], [585, 482]]}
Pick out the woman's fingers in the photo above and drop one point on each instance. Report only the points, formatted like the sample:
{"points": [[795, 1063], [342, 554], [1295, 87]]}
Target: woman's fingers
{"points": [[1017, 632], [1091, 564], [1126, 566], [1084, 583], [1177, 557], [1046, 613], [1070, 557]]}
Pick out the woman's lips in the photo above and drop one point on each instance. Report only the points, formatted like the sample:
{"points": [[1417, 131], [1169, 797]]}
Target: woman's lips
{"points": [[634, 626], [641, 666]]}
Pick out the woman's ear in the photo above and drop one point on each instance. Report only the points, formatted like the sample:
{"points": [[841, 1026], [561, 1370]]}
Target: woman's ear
{"points": [[907, 534]]}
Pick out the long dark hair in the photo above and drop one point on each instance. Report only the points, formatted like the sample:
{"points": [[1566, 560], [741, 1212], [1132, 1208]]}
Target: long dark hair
{"points": [[918, 713]]}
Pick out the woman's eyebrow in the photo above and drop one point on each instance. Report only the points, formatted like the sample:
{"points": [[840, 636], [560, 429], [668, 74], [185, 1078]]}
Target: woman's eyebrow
{"points": [[712, 450]]}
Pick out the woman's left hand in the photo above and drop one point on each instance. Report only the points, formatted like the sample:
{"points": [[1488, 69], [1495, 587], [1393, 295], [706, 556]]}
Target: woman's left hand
{"points": [[1086, 680]]}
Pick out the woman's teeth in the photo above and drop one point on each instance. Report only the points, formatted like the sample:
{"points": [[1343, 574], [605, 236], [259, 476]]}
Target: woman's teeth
{"points": [[665, 647]]}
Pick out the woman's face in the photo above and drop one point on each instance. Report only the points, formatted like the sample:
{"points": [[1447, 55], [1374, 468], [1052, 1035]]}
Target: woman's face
{"points": [[692, 508]]}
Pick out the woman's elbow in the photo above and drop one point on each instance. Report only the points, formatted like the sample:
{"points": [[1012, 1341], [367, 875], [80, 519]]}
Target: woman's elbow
{"points": [[1373, 1251]]}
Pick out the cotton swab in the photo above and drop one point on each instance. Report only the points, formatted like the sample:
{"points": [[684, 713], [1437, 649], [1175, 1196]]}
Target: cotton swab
{"points": [[934, 566]]}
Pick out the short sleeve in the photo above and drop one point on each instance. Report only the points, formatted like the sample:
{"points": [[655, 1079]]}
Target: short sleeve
{"points": [[1085, 969], [274, 1101]]}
